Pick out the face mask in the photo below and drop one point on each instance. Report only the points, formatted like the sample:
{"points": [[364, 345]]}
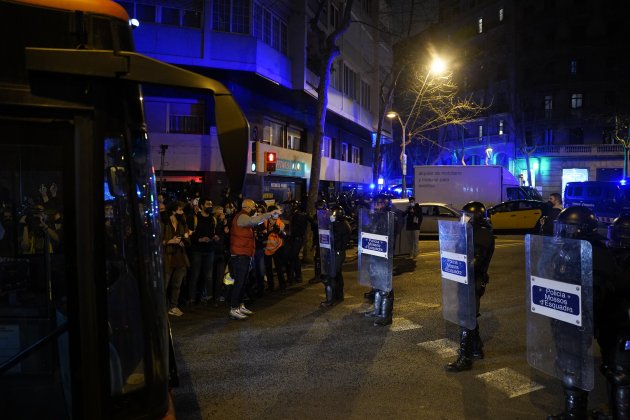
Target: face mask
{"points": [[274, 216], [228, 211], [465, 218], [252, 212], [179, 216], [332, 219], [208, 209]]}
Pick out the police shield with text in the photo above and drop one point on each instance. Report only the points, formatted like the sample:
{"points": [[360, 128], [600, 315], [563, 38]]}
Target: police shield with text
{"points": [[376, 255], [339, 231], [466, 249], [326, 251], [612, 319], [560, 322]]}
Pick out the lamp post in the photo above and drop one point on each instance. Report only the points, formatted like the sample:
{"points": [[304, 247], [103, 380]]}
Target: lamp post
{"points": [[403, 156], [437, 66]]}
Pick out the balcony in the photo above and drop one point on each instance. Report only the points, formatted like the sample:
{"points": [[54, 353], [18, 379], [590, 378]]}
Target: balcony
{"points": [[578, 150]]}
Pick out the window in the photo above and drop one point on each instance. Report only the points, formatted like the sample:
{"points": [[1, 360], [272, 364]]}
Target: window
{"points": [[270, 28], [365, 100], [576, 100], [273, 133], [231, 16], [548, 106], [573, 67], [549, 136], [294, 138], [191, 19], [349, 82], [170, 16], [145, 13], [480, 25], [335, 74], [501, 16], [186, 118], [480, 132], [356, 155], [501, 123], [326, 147], [344, 151]]}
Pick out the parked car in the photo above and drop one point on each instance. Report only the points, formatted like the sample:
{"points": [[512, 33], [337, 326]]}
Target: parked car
{"points": [[432, 212], [516, 214]]}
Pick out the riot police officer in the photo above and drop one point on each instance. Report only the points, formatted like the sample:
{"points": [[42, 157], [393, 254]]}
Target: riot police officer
{"points": [[333, 285], [611, 319], [575, 222], [298, 221], [381, 220], [471, 346], [319, 205]]}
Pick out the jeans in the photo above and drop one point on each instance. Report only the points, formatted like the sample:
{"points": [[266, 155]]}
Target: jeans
{"points": [[201, 262], [239, 269], [259, 269], [276, 259]]}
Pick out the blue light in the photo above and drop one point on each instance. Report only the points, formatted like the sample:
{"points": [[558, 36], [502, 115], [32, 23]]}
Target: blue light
{"points": [[623, 181], [372, 186]]}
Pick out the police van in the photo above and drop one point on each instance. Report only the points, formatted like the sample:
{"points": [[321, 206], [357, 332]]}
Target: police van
{"points": [[607, 199]]}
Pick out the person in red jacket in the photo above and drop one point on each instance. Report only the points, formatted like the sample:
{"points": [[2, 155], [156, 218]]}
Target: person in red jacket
{"points": [[242, 249]]}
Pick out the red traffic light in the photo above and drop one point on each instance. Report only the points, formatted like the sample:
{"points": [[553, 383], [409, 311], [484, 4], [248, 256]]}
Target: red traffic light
{"points": [[270, 161]]}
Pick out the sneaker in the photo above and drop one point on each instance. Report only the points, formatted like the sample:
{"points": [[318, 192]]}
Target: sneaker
{"points": [[236, 314], [243, 310], [175, 311]]}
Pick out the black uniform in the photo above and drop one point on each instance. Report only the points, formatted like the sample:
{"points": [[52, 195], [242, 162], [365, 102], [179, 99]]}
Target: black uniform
{"points": [[341, 231], [471, 346]]}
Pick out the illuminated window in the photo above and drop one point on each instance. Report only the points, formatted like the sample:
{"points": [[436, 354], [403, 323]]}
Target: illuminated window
{"points": [[501, 15], [356, 155], [480, 25], [294, 138], [501, 123], [480, 132], [573, 66], [549, 136], [576, 100]]}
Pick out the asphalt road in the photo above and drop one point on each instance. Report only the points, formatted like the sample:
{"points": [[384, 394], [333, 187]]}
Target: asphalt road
{"points": [[295, 360]]}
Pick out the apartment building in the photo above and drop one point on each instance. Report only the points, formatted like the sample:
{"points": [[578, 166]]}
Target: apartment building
{"points": [[551, 74], [260, 50]]}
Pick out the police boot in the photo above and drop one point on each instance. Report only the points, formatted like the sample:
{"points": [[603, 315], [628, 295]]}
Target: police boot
{"points": [[387, 309], [464, 361], [378, 299], [370, 295], [328, 288], [477, 345], [575, 405], [621, 410]]}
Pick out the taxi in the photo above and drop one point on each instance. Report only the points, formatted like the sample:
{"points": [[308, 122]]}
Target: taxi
{"points": [[516, 214]]}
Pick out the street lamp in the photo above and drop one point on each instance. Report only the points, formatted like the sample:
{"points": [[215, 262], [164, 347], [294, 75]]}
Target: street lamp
{"points": [[403, 156], [437, 66]]}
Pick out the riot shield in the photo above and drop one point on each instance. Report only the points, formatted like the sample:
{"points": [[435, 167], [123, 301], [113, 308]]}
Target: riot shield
{"points": [[559, 302], [458, 275], [376, 249], [326, 243]]}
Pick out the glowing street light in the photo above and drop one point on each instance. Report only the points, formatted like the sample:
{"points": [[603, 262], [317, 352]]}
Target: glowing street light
{"points": [[437, 66]]}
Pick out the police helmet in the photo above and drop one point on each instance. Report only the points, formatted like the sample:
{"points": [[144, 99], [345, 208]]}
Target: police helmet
{"points": [[575, 222], [619, 232], [338, 213], [475, 210]]}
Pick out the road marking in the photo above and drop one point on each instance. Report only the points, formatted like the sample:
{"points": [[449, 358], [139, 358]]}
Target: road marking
{"points": [[510, 382], [404, 324], [444, 347]]}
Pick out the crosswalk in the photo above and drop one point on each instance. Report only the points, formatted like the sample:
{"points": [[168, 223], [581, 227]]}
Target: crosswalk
{"points": [[505, 380]]}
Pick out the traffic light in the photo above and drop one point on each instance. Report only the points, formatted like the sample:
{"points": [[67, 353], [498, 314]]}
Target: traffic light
{"points": [[270, 161]]}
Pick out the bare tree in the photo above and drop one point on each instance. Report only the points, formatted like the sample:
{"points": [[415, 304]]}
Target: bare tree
{"points": [[323, 49], [621, 135]]}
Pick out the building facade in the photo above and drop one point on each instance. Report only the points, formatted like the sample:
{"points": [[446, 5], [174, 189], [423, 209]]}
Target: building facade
{"points": [[551, 76], [260, 50]]}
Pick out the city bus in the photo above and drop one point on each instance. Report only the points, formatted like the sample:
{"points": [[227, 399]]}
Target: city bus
{"points": [[84, 332]]}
